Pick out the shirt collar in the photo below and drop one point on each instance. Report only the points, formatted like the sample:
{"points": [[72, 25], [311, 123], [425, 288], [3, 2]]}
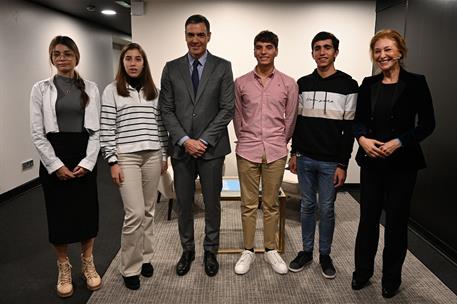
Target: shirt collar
{"points": [[269, 76], [202, 59]]}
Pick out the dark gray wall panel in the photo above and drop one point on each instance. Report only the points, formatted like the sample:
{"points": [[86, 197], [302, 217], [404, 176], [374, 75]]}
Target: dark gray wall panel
{"points": [[430, 28], [393, 16]]}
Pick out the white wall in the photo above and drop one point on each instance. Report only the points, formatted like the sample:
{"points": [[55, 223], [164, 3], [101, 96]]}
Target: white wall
{"points": [[25, 32], [235, 23]]}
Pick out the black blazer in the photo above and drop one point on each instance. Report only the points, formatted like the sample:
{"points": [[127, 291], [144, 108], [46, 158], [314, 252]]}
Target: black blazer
{"points": [[411, 119]]}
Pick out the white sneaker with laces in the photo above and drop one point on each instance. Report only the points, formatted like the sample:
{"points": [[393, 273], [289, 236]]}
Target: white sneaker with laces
{"points": [[277, 263], [244, 262]]}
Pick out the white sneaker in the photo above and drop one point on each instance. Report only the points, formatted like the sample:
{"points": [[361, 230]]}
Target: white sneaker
{"points": [[245, 261], [277, 263]]}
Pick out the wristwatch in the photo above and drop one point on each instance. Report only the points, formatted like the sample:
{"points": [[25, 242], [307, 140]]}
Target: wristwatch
{"points": [[112, 163]]}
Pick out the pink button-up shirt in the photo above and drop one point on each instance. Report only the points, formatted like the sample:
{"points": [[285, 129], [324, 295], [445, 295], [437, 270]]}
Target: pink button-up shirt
{"points": [[265, 115]]}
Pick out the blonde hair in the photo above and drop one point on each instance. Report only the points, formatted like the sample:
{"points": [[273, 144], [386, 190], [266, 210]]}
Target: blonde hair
{"points": [[393, 35]]}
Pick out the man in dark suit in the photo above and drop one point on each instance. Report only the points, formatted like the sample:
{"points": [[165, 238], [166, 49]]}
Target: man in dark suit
{"points": [[197, 103]]}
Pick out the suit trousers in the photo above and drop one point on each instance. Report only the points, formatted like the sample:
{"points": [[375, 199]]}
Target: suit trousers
{"points": [[391, 190], [250, 174], [186, 171], [139, 195]]}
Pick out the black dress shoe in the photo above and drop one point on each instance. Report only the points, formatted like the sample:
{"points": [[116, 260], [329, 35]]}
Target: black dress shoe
{"points": [[358, 284], [132, 282], [147, 270], [389, 292], [211, 264], [184, 262]]}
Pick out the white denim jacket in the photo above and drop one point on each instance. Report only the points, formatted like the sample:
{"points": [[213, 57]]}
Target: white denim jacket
{"points": [[43, 120]]}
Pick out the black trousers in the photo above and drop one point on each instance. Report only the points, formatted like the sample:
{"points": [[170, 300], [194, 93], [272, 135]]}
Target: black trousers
{"points": [[391, 190], [210, 172]]}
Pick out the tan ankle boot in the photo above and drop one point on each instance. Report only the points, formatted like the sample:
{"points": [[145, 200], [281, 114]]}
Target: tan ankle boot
{"points": [[64, 285], [93, 280]]}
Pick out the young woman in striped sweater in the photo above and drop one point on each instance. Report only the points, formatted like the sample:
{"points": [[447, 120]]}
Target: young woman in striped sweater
{"points": [[134, 142]]}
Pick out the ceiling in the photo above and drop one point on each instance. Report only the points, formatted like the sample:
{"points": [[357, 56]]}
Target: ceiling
{"points": [[120, 22]]}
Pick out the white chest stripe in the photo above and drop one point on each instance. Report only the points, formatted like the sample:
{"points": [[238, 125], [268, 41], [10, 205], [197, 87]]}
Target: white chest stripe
{"points": [[327, 105]]}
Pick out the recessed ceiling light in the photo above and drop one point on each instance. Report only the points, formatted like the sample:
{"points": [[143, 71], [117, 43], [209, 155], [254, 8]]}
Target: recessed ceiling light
{"points": [[123, 4], [91, 8], [108, 12]]}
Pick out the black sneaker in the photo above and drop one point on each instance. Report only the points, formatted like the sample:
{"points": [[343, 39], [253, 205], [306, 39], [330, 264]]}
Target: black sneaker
{"points": [[147, 270], [303, 258], [132, 282], [328, 270]]}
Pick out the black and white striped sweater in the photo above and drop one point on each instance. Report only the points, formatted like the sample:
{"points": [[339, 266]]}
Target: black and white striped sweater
{"points": [[130, 124]]}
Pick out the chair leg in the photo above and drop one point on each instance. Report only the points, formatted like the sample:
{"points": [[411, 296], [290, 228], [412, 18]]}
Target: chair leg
{"points": [[159, 195], [170, 208]]}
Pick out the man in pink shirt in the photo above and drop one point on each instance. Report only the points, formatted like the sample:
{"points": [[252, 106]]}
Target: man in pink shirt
{"points": [[265, 113]]}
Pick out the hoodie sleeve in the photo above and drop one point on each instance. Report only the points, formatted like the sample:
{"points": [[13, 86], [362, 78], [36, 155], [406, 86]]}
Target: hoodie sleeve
{"points": [[348, 121]]}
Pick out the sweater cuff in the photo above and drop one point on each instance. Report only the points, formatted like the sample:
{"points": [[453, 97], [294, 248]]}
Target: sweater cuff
{"points": [[112, 159]]}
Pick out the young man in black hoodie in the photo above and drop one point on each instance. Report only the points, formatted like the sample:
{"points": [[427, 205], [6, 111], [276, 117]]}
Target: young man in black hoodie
{"points": [[321, 148]]}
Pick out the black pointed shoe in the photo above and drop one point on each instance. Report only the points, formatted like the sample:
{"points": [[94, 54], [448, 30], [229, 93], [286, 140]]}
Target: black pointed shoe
{"points": [[185, 262], [132, 282], [147, 270], [389, 292], [359, 284], [211, 264]]}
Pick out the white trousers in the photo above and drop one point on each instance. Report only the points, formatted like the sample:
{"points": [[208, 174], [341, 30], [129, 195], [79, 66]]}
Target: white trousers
{"points": [[139, 195]]}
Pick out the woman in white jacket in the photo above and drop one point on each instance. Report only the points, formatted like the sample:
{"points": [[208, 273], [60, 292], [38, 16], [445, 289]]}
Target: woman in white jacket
{"points": [[64, 114], [134, 142]]}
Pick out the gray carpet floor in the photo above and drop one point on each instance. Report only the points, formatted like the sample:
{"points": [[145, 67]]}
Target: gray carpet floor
{"points": [[261, 284]]}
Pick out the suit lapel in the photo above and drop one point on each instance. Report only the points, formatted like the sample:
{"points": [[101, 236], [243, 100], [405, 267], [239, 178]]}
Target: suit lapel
{"points": [[207, 71], [401, 85], [375, 90], [185, 73]]}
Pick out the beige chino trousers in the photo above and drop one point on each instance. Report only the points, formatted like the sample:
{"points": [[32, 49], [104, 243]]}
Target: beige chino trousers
{"points": [[250, 175], [139, 195]]}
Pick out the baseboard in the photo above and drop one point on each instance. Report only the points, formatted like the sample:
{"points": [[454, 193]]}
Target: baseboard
{"points": [[440, 262], [19, 190], [433, 241], [349, 187]]}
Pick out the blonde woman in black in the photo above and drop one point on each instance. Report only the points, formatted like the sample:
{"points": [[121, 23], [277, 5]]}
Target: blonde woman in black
{"points": [[394, 114]]}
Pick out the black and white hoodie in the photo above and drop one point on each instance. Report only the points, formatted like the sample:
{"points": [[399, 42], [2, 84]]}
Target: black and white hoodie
{"points": [[325, 114]]}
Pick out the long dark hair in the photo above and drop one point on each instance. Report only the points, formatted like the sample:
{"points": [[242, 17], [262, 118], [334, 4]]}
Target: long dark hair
{"points": [[79, 81], [145, 78]]}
